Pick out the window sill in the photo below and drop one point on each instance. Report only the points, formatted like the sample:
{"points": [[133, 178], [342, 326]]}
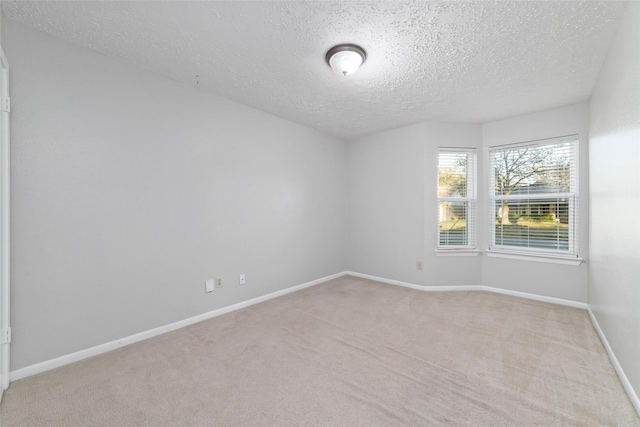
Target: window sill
{"points": [[536, 257], [458, 252]]}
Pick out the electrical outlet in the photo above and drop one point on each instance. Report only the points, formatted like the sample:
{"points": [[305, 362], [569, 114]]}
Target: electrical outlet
{"points": [[219, 282], [243, 279], [209, 285], [419, 265]]}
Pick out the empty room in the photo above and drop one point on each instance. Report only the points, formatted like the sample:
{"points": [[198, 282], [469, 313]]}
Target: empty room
{"points": [[319, 213]]}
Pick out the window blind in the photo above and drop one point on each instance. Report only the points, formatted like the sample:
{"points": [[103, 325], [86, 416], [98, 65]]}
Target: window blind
{"points": [[533, 196], [456, 198]]}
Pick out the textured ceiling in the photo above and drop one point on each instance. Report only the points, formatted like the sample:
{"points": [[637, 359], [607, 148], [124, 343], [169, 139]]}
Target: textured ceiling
{"points": [[427, 61]]}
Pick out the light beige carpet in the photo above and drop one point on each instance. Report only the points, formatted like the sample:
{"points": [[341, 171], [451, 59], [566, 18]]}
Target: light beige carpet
{"points": [[349, 352]]}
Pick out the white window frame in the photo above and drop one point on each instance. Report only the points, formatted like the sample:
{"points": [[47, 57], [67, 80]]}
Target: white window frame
{"points": [[471, 198], [569, 256]]}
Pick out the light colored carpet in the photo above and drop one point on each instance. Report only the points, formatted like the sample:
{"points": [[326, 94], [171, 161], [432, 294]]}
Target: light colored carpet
{"points": [[349, 352]]}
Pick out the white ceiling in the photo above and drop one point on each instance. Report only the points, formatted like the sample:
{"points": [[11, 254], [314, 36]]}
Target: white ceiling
{"points": [[427, 61]]}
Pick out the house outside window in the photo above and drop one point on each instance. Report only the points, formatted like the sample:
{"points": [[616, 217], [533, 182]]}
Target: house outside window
{"points": [[456, 199], [533, 197]]}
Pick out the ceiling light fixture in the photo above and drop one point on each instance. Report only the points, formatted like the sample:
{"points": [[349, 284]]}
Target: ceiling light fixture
{"points": [[345, 59]]}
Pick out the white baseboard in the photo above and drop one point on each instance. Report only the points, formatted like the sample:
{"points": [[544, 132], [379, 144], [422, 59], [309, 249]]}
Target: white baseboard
{"points": [[103, 348], [552, 300], [616, 365], [472, 288], [413, 285]]}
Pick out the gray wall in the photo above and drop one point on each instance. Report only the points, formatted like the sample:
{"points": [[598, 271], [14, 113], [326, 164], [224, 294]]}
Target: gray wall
{"points": [[130, 190], [393, 206], [2, 29], [614, 273], [553, 280], [386, 204]]}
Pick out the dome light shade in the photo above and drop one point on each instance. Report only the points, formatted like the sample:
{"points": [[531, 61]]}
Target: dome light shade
{"points": [[345, 59]]}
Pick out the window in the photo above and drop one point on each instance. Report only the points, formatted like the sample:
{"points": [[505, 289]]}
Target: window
{"points": [[456, 199], [533, 198]]}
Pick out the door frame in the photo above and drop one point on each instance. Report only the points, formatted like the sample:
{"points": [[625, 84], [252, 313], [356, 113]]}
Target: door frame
{"points": [[5, 200]]}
